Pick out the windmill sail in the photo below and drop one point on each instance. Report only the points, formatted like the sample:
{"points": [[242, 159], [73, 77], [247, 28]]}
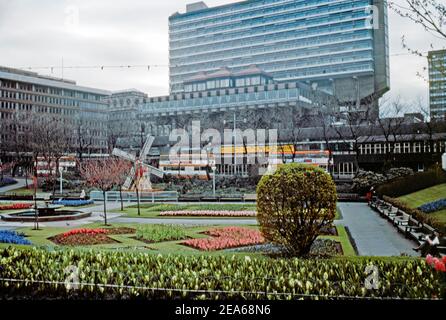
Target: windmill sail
{"points": [[155, 171], [124, 155], [130, 181], [146, 148]]}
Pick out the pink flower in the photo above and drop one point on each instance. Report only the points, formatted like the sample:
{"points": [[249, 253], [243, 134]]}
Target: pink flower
{"points": [[429, 259], [444, 259], [229, 237]]}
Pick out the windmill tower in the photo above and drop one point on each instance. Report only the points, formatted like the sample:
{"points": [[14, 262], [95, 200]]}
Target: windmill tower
{"points": [[139, 176]]}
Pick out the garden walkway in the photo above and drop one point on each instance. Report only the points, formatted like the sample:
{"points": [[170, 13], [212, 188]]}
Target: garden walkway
{"points": [[373, 235]]}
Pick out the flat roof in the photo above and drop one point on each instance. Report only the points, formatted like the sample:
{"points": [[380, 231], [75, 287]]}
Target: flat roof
{"points": [[35, 78], [178, 14]]}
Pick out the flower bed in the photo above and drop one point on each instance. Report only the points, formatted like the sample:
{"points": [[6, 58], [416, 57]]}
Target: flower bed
{"points": [[13, 237], [15, 206], [433, 206], [7, 181], [225, 238], [321, 248], [209, 213], [84, 231], [120, 230], [73, 203], [78, 237], [159, 233], [440, 266], [196, 276]]}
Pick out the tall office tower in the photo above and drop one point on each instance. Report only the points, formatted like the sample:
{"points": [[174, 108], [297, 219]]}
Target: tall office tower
{"points": [[340, 46], [437, 84]]}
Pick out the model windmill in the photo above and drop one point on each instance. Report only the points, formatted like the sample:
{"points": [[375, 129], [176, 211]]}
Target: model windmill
{"points": [[139, 177]]}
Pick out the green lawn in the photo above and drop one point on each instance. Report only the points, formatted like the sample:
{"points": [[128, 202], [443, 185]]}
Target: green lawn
{"points": [[128, 243], [421, 197], [22, 192]]}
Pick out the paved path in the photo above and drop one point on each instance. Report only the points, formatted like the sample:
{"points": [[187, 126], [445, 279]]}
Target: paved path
{"points": [[373, 235]]}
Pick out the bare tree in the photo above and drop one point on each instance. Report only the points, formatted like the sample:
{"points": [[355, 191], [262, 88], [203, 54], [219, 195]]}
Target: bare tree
{"points": [[429, 14], [121, 176], [83, 139], [51, 138], [356, 127], [104, 174], [15, 138], [430, 127], [390, 124]]}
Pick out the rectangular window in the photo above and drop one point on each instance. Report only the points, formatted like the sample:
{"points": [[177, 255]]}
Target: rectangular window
{"points": [[417, 147], [210, 85], [240, 82], [377, 148], [406, 147]]}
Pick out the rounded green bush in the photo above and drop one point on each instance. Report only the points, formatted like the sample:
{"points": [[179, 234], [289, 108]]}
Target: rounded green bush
{"points": [[294, 204]]}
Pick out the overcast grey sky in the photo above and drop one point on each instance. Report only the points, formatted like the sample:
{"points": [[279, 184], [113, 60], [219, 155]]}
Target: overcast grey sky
{"points": [[135, 32]]}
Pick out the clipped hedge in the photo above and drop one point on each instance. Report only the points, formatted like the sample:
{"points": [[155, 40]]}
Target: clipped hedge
{"points": [[413, 183], [417, 214], [42, 274]]}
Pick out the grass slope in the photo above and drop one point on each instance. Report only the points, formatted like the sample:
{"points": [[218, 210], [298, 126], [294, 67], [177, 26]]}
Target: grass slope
{"points": [[421, 197]]}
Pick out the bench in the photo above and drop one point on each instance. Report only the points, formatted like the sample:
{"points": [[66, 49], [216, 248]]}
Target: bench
{"points": [[402, 219], [392, 213]]}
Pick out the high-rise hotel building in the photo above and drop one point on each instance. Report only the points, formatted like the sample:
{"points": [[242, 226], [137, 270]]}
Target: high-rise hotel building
{"points": [[340, 45]]}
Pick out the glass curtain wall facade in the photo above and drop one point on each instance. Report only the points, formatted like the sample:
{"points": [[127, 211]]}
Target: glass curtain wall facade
{"points": [[293, 40], [437, 84]]}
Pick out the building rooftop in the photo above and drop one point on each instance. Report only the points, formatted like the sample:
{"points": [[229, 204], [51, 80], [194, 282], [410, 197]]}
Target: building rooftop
{"points": [[35, 78], [225, 72]]}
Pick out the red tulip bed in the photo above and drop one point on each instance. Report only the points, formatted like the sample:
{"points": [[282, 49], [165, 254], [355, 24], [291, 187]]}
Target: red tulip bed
{"points": [[15, 206], [226, 238], [78, 237], [208, 213]]}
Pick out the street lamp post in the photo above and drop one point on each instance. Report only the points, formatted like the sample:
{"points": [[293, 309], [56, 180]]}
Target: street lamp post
{"points": [[60, 184], [214, 168]]}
